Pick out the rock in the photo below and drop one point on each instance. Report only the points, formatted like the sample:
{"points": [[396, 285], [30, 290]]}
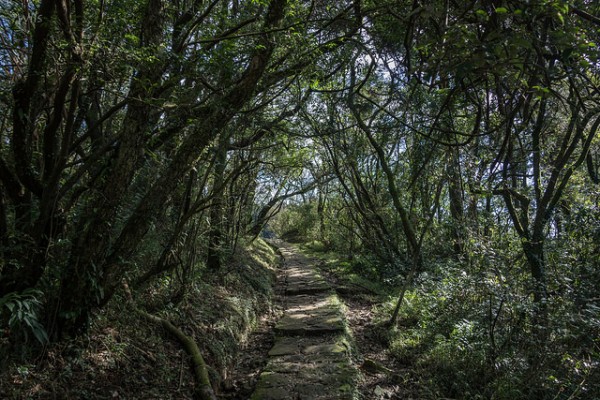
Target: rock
{"points": [[374, 367], [379, 391], [310, 356], [284, 347]]}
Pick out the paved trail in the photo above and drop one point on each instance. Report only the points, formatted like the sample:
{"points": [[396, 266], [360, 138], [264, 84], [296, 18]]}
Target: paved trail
{"points": [[310, 358]]}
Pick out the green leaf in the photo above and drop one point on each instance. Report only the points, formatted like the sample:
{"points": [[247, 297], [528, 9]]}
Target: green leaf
{"points": [[39, 332], [584, 63], [132, 38], [501, 10]]}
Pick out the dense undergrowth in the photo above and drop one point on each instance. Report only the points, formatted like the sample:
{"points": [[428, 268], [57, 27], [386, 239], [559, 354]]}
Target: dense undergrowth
{"points": [[125, 356], [465, 331]]}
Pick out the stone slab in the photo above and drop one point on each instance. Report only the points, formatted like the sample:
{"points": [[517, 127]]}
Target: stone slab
{"points": [[310, 357], [303, 324], [289, 345]]}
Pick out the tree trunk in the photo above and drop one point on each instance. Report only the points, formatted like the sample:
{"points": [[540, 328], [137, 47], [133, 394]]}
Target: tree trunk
{"points": [[455, 194], [216, 232], [321, 215], [405, 285], [98, 261], [534, 252], [83, 280]]}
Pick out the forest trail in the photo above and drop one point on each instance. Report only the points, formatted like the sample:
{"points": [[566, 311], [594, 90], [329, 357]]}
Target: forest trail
{"points": [[310, 358]]}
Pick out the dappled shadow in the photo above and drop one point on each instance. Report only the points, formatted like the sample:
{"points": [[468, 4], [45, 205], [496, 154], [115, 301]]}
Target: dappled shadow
{"points": [[310, 358]]}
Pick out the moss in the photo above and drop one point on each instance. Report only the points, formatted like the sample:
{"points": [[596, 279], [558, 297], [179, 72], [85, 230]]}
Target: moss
{"points": [[346, 388], [138, 357], [226, 313]]}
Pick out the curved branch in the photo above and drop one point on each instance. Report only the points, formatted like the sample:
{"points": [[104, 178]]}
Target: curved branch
{"points": [[204, 390], [585, 15]]}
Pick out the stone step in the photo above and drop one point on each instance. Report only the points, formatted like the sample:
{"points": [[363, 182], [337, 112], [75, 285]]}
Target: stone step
{"points": [[287, 346], [292, 377], [310, 359], [315, 326], [294, 290], [299, 281], [311, 315]]}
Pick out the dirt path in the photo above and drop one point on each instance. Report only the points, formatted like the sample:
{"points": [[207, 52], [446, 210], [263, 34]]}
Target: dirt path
{"points": [[310, 357]]}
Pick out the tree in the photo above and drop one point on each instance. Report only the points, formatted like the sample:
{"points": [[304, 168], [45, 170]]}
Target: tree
{"points": [[118, 109]]}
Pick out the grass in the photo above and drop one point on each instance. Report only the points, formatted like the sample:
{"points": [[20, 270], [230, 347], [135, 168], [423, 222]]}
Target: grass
{"points": [[347, 271]]}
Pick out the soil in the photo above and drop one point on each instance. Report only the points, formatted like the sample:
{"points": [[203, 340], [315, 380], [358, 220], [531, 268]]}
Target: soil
{"points": [[253, 357], [371, 342], [254, 353], [126, 357]]}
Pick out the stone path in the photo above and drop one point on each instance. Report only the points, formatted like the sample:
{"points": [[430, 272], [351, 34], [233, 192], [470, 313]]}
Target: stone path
{"points": [[310, 358]]}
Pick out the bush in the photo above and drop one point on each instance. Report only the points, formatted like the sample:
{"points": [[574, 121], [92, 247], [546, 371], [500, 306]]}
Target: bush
{"points": [[21, 312]]}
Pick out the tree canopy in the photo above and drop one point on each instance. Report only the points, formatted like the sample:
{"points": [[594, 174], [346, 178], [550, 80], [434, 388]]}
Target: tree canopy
{"points": [[430, 140]]}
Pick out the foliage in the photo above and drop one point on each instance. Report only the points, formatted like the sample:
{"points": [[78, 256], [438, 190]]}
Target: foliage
{"points": [[138, 359], [297, 222], [448, 149], [467, 329], [21, 311]]}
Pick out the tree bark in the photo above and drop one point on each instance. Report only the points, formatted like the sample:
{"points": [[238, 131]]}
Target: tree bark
{"points": [[455, 194], [97, 262], [82, 280], [215, 234]]}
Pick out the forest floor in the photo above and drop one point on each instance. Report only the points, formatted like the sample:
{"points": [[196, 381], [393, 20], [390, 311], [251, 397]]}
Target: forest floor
{"points": [[382, 376], [318, 319], [126, 357]]}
